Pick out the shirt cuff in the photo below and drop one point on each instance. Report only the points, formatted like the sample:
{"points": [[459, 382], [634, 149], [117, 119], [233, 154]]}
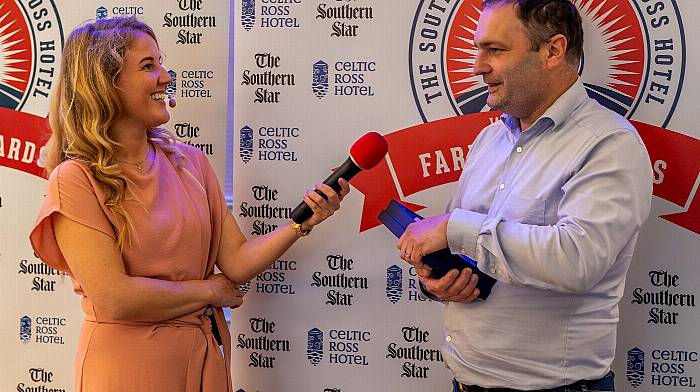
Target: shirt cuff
{"points": [[463, 229]]}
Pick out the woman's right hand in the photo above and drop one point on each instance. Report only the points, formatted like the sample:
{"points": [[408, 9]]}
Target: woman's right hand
{"points": [[224, 291]]}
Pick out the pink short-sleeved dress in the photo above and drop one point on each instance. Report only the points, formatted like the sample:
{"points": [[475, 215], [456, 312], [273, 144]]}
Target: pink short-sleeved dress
{"points": [[178, 225]]}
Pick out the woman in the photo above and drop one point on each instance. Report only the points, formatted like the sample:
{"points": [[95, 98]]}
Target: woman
{"points": [[139, 222]]}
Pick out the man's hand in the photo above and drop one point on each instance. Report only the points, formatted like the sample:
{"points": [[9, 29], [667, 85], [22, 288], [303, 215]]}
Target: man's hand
{"points": [[427, 236], [422, 237], [454, 286]]}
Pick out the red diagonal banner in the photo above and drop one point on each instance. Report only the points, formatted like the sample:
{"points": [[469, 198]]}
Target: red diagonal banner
{"points": [[21, 137], [431, 154], [674, 157], [422, 157]]}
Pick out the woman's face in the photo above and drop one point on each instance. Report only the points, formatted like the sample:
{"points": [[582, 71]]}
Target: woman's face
{"points": [[141, 85]]}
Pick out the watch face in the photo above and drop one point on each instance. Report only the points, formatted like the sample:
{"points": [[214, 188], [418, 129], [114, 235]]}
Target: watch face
{"points": [[300, 232]]}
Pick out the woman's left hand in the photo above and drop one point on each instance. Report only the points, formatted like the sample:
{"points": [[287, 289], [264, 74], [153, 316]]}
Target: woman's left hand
{"points": [[323, 208]]}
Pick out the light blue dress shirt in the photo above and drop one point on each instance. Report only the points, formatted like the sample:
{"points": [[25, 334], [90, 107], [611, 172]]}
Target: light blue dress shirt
{"points": [[553, 213]]}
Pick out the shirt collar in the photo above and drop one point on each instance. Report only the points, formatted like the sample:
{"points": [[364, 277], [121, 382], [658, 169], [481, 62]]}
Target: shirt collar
{"points": [[558, 112]]}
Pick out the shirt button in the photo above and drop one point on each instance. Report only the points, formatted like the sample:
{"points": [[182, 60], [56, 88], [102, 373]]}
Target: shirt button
{"points": [[502, 186], [448, 338], [519, 149], [493, 271]]}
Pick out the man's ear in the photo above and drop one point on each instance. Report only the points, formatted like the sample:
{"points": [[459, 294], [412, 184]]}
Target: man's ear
{"points": [[555, 54]]}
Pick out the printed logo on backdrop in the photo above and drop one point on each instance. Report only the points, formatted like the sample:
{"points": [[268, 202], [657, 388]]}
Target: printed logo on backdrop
{"points": [[665, 298], [314, 346], [104, 13], [348, 78], [274, 279], [194, 84], [262, 343], [416, 359], [265, 211], [635, 367], [272, 143], [42, 330], [245, 146], [101, 13], [248, 14], [273, 15], [41, 380], [31, 40], [319, 79], [189, 133], [345, 347], [394, 283], [664, 367], [331, 390], [633, 63], [43, 277], [268, 82], [25, 329], [340, 281], [171, 90], [625, 74], [345, 19], [191, 22]]}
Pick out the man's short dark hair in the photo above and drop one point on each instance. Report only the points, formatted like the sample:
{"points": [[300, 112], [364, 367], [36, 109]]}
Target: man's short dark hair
{"points": [[543, 19]]}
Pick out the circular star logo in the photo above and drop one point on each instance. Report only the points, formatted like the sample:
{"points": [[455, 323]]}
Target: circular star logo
{"points": [[16, 56], [633, 60], [31, 40]]}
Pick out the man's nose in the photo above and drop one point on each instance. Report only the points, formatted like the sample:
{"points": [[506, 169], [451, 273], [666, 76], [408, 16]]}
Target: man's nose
{"points": [[480, 65]]}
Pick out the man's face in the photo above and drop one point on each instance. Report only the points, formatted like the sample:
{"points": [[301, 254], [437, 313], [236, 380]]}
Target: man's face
{"points": [[515, 75]]}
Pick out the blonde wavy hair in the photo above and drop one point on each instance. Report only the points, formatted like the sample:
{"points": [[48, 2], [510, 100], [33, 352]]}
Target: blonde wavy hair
{"points": [[85, 105]]}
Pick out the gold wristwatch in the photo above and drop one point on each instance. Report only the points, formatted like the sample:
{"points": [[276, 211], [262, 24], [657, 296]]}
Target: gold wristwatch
{"points": [[299, 231]]}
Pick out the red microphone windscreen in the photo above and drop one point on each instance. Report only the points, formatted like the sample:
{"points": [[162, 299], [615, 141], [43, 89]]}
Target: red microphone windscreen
{"points": [[369, 150]]}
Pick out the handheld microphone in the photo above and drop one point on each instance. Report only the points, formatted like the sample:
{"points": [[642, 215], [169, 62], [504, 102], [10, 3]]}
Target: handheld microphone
{"points": [[365, 154]]}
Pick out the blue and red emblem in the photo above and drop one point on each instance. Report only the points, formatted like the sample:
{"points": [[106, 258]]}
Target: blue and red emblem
{"points": [[31, 41]]}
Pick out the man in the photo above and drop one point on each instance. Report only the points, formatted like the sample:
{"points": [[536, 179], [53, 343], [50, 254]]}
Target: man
{"points": [[550, 203]]}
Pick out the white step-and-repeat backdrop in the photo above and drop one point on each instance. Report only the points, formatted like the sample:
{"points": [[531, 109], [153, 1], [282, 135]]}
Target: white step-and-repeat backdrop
{"points": [[340, 311]]}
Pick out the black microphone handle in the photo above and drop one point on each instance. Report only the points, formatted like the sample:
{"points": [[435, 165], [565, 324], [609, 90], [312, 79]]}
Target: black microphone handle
{"points": [[346, 171]]}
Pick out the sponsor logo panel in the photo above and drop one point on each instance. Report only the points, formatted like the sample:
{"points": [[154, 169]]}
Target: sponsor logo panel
{"points": [[191, 21], [414, 352], [265, 209], [40, 379], [103, 12], [671, 368], [666, 298], [344, 78], [37, 276], [43, 329], [339, 282], [340, 347], [346, 19], [267, 80], [263, 342], [274, 15]]}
